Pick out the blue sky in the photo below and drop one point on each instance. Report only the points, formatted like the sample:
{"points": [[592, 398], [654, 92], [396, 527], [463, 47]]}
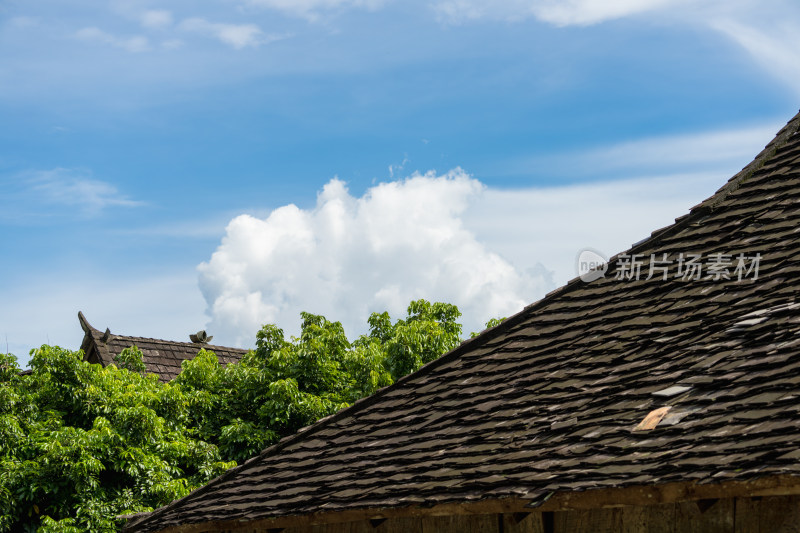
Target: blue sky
{"points": [[171, 166]]}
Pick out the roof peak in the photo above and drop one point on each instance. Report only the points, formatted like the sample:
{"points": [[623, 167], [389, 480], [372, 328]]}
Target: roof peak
{"points": [[201, 337], [85, 326]]}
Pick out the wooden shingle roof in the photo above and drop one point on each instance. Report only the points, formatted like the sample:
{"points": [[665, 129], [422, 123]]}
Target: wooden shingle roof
{"points": [[608, 384], [159, 356]]}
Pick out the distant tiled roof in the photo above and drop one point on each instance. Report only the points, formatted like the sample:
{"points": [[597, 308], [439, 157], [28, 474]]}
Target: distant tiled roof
{"points": [[559, 397], [160, 357]]}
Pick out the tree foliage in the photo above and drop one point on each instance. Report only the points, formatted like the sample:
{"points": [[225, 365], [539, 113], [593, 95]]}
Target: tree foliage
{"points": [[284, 385], [81, 444]]}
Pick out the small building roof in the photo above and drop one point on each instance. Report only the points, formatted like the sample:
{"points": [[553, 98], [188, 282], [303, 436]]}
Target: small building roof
{"points": [[159, 356], [617, 383]]}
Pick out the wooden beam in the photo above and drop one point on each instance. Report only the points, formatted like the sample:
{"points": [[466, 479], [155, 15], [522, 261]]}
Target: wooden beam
{"points": [[643, 495], [639, 496]]}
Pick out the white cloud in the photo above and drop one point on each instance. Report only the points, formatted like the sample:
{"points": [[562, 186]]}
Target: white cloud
{"points": [[351, 256], [550, 225], [397, 168], [237, 36], [775, 47], [687, 150], [585, 12], [211, 226], [723, 149], [136, 43], [36, 193], [557, 12], [312, 8], [764, 30], [666, 176], [450, 238], [446, 238], [156, 19]]}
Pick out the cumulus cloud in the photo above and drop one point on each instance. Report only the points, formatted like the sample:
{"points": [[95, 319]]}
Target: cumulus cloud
{"points": [[237, 36], [350, 256], [136, 43], [450, 238]]}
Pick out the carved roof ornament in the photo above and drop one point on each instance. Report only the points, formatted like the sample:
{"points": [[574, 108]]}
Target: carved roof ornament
{"points": [[201, 337]]}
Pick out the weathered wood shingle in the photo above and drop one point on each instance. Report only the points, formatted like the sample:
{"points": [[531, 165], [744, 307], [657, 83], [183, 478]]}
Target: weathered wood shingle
{"points": [[548, 402], [159, 356]]}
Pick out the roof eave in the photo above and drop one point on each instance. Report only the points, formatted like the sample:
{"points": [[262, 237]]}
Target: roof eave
{"points": [[634, 495]]}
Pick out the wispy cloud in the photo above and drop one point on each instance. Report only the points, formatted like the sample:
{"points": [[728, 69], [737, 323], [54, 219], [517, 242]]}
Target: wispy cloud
{"points": [[765, 31], [727, 150], [694, 150], [160, 26], [776, 48], [156, 19], [557, 12], [37, 194], [237, 36], [137, 43], [24, 22], [312, 9], [210, 227], [586, 12], [549, 225]]}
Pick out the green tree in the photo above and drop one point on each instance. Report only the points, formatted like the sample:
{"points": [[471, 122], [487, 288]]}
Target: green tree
{"points": [[284, 385], [428, 331], [81, 444]]}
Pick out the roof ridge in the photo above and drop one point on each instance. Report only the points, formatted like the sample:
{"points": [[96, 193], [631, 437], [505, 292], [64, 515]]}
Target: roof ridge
{"points": [[490, 334], [780, 140], [701, 209], [166, 341], [88, 328]]}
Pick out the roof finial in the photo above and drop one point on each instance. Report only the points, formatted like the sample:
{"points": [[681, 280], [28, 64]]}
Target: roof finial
{"points": [[201, 337], [87, 328]]}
